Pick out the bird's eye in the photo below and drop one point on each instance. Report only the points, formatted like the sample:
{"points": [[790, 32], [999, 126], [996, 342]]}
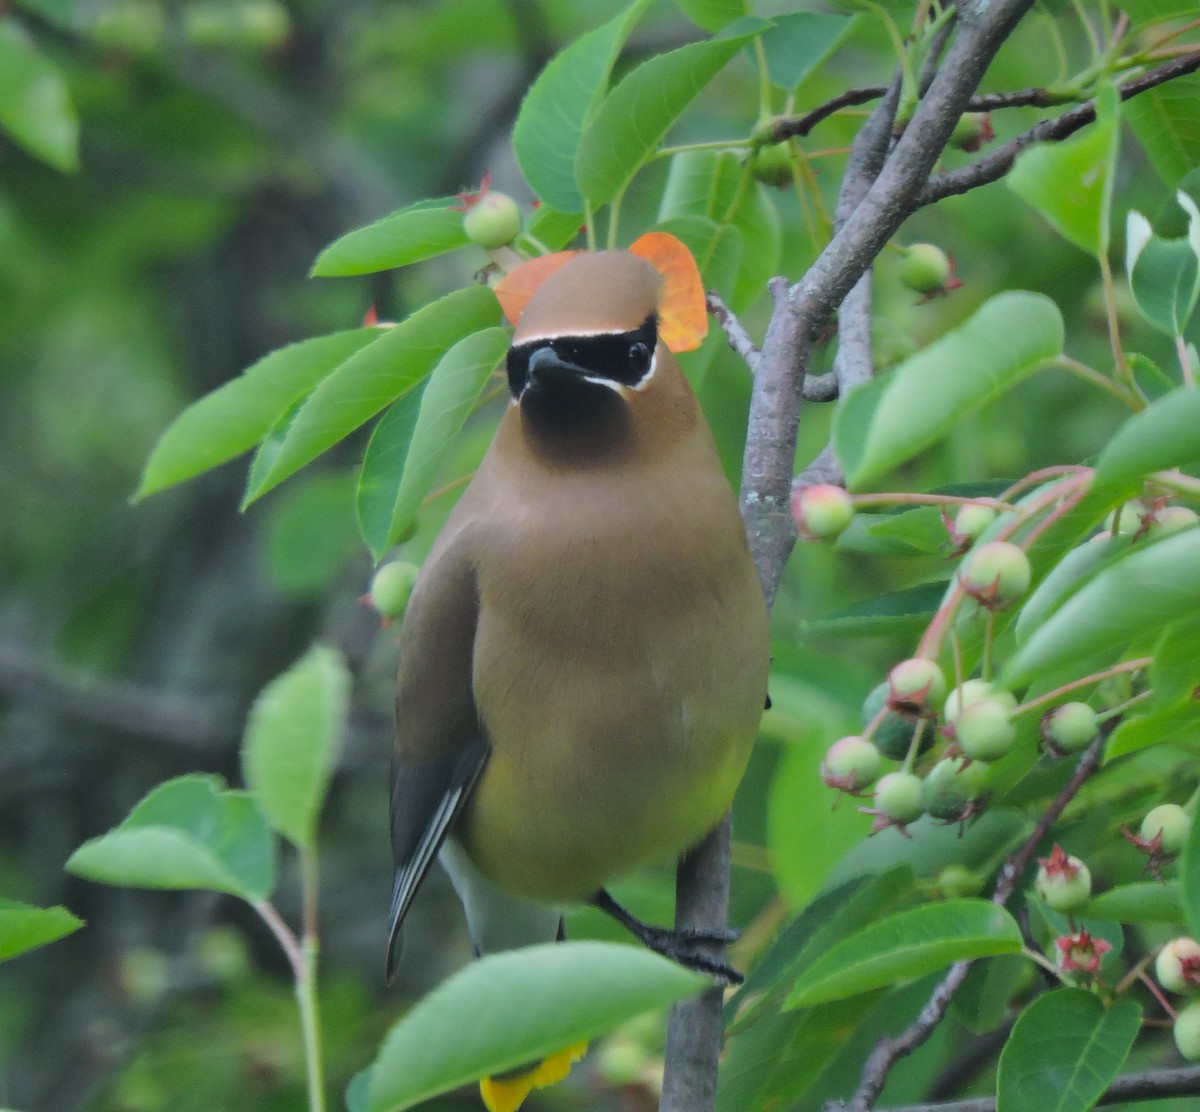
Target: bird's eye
{"points": [[639, 357]]}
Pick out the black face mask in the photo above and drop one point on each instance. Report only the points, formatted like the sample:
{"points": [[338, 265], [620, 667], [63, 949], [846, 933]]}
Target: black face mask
{"points": [[623, 357]]}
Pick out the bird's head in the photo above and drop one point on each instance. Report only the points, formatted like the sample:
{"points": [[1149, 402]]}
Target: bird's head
{"points": [[593, 338]]}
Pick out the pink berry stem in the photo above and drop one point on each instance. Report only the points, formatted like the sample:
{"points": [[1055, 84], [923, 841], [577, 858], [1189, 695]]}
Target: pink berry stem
{"points": [[904, 498], [1069, 502], [1157, 993], [1035, 477], [1086, 681]]}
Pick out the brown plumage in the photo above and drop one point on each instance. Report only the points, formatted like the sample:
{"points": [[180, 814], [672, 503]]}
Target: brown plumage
{"points": [[584, 659]]}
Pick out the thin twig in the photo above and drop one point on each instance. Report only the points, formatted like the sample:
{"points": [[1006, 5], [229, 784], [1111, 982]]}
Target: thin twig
{"points": [[797, 126], [738, 337], [999, 161]]}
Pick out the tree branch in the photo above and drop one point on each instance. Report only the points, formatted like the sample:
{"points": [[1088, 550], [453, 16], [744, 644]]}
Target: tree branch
{"points": [[737, 336], [995, 165], [136, 711], [796, 127], [1150, 1085]]}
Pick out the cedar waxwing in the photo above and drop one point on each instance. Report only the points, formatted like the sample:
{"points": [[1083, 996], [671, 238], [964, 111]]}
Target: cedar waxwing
{"points": [[583, 661]]}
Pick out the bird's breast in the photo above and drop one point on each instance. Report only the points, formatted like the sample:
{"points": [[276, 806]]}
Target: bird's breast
{"points": [[619, 671]]}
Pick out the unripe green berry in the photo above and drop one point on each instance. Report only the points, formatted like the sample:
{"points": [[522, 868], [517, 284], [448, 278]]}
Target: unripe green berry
{"points": [[971, 521], [1187, 1032], [773, 165], [1177, 966], [996, 574], [1126, 518], [894, 733], [851, 763], [1172, 822], [1070, 727], [951, 786], [1171, 519], [1063, 882], [493, 220], [958, 882], [984, 730], [925, 268], [392, 587], [972, 131], [898, 797], [821, 510], [916, 686], [975, 691]]}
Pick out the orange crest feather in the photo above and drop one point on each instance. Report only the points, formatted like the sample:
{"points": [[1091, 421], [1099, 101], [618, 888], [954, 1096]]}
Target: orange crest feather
{"points": [[514, 290], [682, 312]]}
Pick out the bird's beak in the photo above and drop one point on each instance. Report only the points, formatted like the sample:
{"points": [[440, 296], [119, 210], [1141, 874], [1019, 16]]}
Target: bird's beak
{"points": [[548, 371]]}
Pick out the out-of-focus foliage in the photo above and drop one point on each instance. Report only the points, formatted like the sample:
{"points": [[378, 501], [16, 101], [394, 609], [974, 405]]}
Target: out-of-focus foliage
{"points": [[223, 145]]}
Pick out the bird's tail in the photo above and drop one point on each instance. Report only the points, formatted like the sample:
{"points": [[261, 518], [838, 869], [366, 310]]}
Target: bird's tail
{"points": [[506, 1092]]}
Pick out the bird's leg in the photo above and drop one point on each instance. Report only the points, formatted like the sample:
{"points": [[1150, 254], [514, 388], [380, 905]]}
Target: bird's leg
{"points": [[683, 946]]}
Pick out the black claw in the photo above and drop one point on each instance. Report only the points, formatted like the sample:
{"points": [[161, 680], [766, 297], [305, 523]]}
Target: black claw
{"points": [[680, 946]]}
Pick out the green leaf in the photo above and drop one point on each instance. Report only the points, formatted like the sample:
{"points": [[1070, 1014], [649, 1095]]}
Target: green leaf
{"points": [[985, 998], [382, 467], [452, 390], [797, 44], [1143, 13], [559, 105], [1070, 183], [421, 231], [826, 919], [893, 614], [1166, 122], [1153, 901], [510, 1008], [293, 737], [1175, 670], [375, 377], [237, 415], [905, 946], [1165, 434], [1189, 875], [710, 184], [23, 927], [187, 833], [1164, 274], [1177, 725], [1136, 595], [1064, 1051], [554, 229], [310, 534], [892, 418], [716, 248], [35, 108], [635, 116], [1148, 376], [1064, 577], [712, 15]]}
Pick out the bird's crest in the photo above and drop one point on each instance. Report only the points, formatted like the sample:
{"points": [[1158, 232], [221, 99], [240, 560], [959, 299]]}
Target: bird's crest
{"points": [[682, 315]]}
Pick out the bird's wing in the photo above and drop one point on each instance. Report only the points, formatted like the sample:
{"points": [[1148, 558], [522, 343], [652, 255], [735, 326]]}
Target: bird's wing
{"points": [[440, 748]]}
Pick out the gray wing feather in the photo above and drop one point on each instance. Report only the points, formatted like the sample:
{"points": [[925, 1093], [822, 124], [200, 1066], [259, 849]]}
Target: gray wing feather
{"points": [[426, 799], [440, 748]]}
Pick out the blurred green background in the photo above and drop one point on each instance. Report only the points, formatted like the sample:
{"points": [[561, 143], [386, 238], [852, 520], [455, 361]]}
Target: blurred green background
{"points": [[223, 143]]}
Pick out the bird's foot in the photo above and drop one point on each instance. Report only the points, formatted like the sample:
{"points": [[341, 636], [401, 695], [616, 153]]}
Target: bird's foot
{"points": [[687, 946]]}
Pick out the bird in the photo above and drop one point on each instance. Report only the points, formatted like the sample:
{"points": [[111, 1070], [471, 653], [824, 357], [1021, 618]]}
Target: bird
{"points": [[583, 661]]}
